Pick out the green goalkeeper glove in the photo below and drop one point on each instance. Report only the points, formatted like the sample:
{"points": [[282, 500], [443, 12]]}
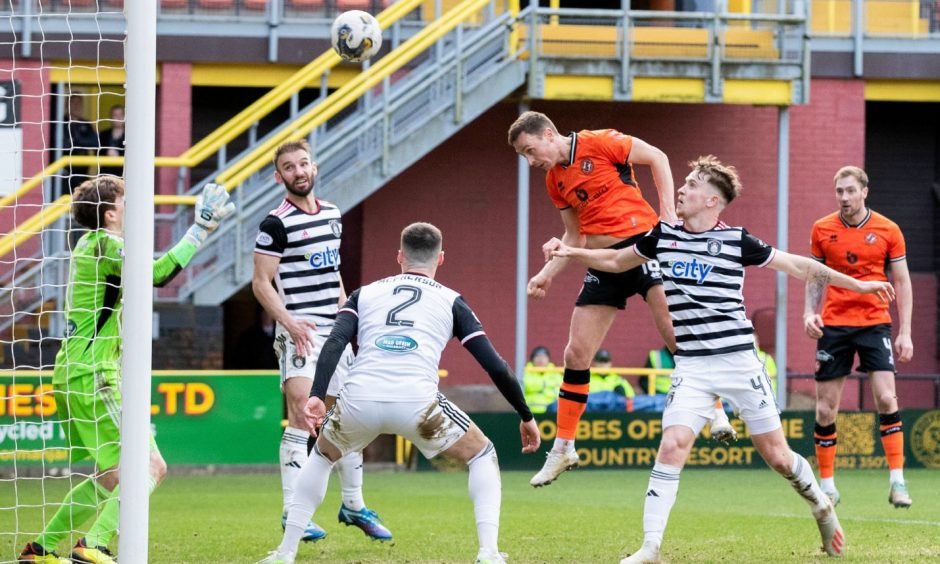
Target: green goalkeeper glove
{"points": [[212, 206]]}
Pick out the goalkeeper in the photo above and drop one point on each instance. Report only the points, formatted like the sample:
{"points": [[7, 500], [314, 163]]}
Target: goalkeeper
{"points": [[87, 379]]}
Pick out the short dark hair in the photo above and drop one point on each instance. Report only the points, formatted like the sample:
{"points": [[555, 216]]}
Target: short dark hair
{"points": [[854, 172], [94, 197], [539, 350], [290, 147], [532, 123], [602, 355], [723, 177], [421, 242]]}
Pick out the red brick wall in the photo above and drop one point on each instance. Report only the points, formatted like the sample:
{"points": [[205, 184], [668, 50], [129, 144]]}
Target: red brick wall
{"points": [[35, 104], [174, 131], [467, 187]]}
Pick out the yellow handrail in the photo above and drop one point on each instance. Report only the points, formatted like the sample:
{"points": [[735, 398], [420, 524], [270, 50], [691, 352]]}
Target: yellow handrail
{"points": [[352, 90], [234, 126]]}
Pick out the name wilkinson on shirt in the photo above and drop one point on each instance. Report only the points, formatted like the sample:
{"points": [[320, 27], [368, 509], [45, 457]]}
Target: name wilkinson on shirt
{"points": [[326, 257]]}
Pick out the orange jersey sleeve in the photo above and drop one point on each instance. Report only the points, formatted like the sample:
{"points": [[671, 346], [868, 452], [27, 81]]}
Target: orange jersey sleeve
{"points": [[860, 251]]}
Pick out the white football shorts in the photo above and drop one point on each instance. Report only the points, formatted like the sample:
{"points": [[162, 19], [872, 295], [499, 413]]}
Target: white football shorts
{"points": [[737, 377], [293, 365], [433, 425]]}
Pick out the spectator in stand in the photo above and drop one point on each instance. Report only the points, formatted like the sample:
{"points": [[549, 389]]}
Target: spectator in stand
{"points": [[111, 141], [659, 359], [607, 383], [79, 138], [541, 386]]}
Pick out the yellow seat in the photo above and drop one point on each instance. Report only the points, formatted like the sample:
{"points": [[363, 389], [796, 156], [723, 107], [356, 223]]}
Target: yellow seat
{"points": [[750, 44], [574, 40], [669, 42], [894, 18], [832, 16]]}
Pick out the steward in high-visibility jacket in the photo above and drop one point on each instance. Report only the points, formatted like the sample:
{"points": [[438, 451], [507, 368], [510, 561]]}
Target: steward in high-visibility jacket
{"points": [[659, 358], [541, 388]]}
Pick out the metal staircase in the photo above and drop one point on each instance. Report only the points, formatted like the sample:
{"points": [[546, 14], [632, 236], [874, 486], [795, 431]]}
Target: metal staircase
{"points": [[386, 131]]}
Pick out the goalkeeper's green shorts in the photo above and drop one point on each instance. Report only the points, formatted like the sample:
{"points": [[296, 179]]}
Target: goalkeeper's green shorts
{"points": [[89, 408]]}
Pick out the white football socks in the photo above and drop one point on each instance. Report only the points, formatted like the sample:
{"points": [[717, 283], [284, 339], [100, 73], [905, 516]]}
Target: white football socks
{"points": [[660, 497], [309, 491], [563, 445], [804, 482], [486, 492], [349, 470], [293, 453]]}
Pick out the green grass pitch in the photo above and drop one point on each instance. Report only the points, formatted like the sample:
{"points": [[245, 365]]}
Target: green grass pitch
{"points": [[586, 516]]}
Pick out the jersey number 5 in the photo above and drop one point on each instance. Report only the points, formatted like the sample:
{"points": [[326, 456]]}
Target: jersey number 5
{"points": [[392, 318]]}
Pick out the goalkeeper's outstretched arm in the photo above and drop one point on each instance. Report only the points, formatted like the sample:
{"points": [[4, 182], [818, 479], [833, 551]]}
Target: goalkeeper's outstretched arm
{"points": [[212, 206]]}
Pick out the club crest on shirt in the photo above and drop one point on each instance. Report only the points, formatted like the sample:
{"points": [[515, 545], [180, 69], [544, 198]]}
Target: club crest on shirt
{"points": [[714, 247], [587, 166], [870, 238], [336, 227], [298, 361]]}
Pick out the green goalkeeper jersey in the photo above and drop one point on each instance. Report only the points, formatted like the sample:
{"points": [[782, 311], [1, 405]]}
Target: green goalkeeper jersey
{"points": [[93, 302]]}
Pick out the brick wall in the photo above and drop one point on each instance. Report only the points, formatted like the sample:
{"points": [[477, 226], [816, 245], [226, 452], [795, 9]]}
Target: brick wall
{"points": [[190, 337]]}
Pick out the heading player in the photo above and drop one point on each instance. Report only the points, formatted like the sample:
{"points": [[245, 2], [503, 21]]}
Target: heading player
{"points": [[402, 324], [590, 180], [703, 263], [858, 242]]}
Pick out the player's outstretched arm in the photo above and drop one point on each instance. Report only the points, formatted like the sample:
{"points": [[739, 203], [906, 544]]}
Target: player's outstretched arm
{"points": [[212, 206], [539, 284], [643, 153], [819, 275], [482, 350], [607, 260]]}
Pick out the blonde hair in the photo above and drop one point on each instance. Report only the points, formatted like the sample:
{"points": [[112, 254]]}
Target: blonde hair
{"points": [[723, 177], [853, 171]]}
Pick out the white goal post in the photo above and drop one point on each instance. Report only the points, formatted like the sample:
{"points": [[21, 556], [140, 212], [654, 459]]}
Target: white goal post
{"points": [[141, 62]]}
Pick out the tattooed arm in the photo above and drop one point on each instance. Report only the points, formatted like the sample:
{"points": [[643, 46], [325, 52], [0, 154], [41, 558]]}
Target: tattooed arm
{"points": [[815, 290], [818, 276]]}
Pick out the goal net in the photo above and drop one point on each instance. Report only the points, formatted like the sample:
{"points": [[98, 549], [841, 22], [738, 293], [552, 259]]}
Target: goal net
{"points": [[62, 96]]}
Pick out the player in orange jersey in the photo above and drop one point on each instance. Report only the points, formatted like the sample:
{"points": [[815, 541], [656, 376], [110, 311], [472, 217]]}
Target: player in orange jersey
{"points": [[590, 180], [858, 242]]}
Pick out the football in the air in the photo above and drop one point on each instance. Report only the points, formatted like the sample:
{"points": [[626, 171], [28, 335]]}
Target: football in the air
{"points": [[356, 35]]}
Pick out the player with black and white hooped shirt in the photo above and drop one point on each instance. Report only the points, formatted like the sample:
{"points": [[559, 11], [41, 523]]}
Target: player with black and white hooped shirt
{"points": [[297, 280], [703, 264]]}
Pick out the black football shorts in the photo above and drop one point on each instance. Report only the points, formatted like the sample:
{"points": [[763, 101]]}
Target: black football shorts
{"points": [[836, 350], [613, 288]]}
